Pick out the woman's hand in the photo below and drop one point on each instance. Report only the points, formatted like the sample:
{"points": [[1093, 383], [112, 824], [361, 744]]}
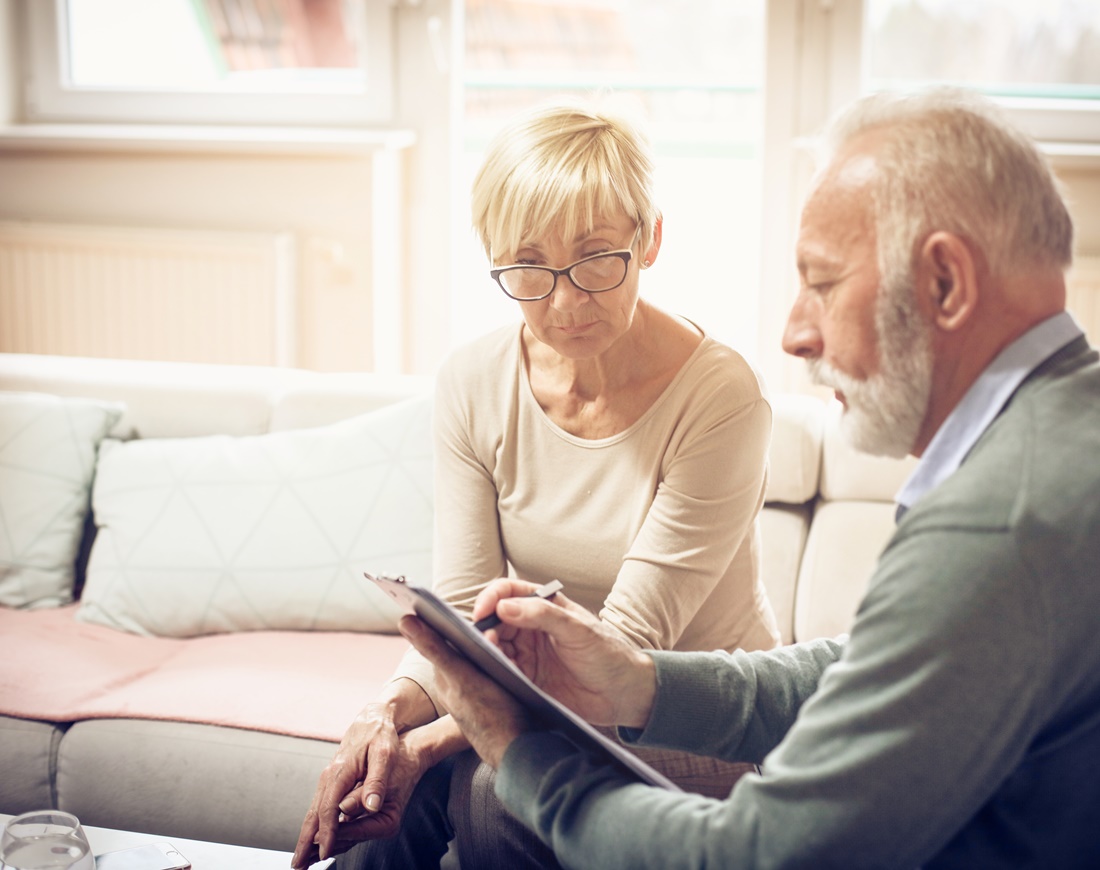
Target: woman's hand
{"points": [[356, 820], [367, 764], [570, 654]]}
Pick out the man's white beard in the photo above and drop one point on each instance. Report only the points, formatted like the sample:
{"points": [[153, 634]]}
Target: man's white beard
{"points": [[884, 412]]}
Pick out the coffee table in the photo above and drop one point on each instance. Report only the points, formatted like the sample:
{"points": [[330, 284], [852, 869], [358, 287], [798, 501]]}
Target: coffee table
{"points": [[202, 855]]}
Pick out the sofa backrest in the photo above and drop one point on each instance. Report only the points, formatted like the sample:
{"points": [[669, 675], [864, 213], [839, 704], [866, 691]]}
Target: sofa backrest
{"points": [[828, 513], [173, 399]]}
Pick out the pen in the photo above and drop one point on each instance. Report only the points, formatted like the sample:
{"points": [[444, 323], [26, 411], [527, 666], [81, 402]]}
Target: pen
{"points": [[547, 590]]}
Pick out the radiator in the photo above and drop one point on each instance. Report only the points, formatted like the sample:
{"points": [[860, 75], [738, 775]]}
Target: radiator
{"points": [[139, 293], [1083, 295]]}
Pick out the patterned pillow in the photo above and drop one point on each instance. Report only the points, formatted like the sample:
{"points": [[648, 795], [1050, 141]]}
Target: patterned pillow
{"points": [[47, 461], [216, 534]]}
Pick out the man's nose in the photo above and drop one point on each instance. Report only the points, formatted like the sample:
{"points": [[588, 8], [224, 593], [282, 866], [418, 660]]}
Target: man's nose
{"points": [[802, 337]]}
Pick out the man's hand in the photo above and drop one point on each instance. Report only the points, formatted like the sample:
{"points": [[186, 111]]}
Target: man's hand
{"points": [[489, 717], [570, 654]]}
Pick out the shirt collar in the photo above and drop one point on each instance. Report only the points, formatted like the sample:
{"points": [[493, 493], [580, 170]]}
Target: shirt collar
{"points": [[982, 403]]}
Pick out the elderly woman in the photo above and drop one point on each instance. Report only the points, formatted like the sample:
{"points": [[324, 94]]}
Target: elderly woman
{"points": [[600, 441]]}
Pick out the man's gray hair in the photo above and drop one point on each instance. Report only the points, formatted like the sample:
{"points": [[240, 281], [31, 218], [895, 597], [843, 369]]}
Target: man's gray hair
{"points": [[951, 161]]}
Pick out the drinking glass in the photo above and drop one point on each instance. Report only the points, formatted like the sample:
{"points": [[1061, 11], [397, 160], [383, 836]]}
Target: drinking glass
{"points": [[45, 840]]}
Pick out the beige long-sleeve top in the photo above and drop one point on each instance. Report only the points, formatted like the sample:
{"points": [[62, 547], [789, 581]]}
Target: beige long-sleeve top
{"points": [[654, 529]]}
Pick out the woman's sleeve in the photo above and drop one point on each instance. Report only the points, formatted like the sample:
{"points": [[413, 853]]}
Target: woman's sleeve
{"points": [[709, 495], [467, 551]]}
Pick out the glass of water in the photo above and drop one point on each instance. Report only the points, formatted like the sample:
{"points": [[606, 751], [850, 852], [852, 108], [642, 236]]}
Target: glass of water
{"points": [[45, 840]]}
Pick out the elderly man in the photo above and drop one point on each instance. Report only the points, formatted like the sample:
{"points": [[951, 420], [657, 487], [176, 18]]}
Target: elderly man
{"points": [[959, 724]]}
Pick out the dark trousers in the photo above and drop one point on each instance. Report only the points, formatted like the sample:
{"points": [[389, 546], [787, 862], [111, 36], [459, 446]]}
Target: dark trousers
{"points": [[454, 801]]}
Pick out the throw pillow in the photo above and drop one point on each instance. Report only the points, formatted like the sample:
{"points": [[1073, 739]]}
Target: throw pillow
{"points": [[47, 461], [217, 534]]}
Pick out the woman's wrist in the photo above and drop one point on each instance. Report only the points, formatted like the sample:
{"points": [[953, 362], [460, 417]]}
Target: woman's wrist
{"points": [[438, 739], [405, 703]]}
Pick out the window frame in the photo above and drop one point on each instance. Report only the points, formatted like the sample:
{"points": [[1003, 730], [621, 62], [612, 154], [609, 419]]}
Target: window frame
{"points": [[49, 97], [1054, 122]]}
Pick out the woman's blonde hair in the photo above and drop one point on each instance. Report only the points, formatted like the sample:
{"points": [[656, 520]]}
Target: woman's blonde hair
{"points": [[560, 169]]}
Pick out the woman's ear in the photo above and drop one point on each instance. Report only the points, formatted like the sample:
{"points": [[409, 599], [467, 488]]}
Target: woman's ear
{"points": [[946, 276], [655, 246]]}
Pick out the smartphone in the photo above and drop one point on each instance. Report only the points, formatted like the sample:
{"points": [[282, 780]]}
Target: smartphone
{"points": [[154, 856]]}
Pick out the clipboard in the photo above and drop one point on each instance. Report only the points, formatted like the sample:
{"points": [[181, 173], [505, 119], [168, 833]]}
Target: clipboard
{"points": [[466, 639]]}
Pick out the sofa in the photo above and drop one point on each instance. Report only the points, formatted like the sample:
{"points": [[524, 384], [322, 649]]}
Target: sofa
{"points": [[185, 632]]}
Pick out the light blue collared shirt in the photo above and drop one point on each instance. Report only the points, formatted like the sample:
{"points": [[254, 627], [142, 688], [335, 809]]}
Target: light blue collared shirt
{"points": [[982, 403]]}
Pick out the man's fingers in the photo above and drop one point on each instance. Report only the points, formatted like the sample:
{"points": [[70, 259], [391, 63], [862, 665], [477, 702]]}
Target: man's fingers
{"points": [[497, 591], [559, 617], [453, 668], [428, 642]]}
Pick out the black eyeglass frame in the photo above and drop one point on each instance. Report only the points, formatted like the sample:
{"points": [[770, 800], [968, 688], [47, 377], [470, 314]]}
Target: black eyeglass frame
{"points": [[626, 255]]}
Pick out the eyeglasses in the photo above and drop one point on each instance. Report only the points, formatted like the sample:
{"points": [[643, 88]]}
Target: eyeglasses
{"points": [[596, 274]]}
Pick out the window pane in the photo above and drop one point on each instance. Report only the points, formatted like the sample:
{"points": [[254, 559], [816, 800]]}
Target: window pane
{"points": [[1003, 47], [695, 69], [216, 45]]}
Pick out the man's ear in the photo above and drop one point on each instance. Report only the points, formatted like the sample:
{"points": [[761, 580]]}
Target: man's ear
{"points": [[651, 254], [947, 277]]}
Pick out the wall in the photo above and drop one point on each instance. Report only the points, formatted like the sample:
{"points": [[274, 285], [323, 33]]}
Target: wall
{"points": [[1082, 186], [7, 61], [323, 200]]}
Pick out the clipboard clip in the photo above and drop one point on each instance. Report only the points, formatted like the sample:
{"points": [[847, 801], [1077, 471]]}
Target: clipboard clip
{"points": [[400, 578]]}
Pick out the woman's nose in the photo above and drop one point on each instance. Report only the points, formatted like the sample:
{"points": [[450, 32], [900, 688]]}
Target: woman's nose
{"points": [[567, 296]]}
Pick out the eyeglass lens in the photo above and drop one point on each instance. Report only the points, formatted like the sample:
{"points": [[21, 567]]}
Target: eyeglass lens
{"points": [[596, 274]]}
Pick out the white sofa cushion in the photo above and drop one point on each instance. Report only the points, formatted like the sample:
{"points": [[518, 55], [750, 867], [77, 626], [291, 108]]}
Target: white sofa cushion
{"points": [[214, 534], [794, 455], [47, 461], [842, 549], [783, 530]]}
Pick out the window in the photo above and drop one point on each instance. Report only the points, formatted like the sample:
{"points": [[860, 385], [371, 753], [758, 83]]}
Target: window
{"points": [[732, 166], [1038, 60], [228, 61], [1042, 60], [694, 74]]}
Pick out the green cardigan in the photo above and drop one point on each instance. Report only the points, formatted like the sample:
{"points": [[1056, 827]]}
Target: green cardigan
{"points": [[959, 726]]}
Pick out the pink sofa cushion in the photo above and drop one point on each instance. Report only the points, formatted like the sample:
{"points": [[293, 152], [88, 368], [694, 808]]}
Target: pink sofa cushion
{"points": [[304, 684]]}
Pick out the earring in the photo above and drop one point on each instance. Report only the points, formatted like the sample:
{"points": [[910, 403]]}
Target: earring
{"points": [[645, 264]]}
